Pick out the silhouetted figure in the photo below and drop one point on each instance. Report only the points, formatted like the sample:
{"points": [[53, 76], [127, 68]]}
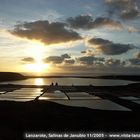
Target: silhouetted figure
{"points": [[56, 84], [52, 84]]}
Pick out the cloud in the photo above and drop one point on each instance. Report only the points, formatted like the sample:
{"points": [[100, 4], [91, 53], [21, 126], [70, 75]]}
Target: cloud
{"points": [[28, 60], [57, 59], [69, 61], [92, 64], [100, 69], [86, 22], [65, 56], [84, 60], [89, 60], [106, 22], [54, 59], [132, 29], [134, 61], [82, 21], [46, 32], [88, 52], [109, 48], [114, 62], [137, 55], [133, 13], [125, 9], [100, 61], [83, 52]]}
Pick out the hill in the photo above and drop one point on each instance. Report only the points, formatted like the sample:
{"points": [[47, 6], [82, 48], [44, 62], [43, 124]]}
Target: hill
{"points": [[11, 76]]}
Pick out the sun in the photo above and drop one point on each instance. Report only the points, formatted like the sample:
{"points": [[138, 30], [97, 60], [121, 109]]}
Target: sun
{"points": [[37, 67], [37, 51]]}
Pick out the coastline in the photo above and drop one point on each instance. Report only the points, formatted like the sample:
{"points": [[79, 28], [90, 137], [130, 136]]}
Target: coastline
{"points": [[113, 77], [13, 76], [84, 86]]}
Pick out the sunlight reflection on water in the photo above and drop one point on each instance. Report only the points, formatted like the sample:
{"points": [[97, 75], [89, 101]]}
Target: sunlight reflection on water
{"points": [[24, 94], [69, 81], [39, 81]]}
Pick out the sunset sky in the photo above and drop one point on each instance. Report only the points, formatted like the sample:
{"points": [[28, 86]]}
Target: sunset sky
{"points": [[70, 36]]}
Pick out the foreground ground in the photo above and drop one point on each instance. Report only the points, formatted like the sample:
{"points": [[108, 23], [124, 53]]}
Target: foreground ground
{"points": [[19, 117], [16, 118]]}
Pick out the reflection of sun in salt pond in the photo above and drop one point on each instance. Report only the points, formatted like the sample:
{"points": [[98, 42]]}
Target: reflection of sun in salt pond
{"points": [[39, 81]]}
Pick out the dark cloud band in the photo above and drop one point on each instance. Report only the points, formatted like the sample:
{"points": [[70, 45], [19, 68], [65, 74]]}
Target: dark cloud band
{"points": [[125, 9], [28, 60], [109, 48], [48, 33], [86, 22]]}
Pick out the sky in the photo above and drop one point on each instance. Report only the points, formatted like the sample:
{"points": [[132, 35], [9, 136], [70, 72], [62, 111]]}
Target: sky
{"points": [[70, 36]]}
